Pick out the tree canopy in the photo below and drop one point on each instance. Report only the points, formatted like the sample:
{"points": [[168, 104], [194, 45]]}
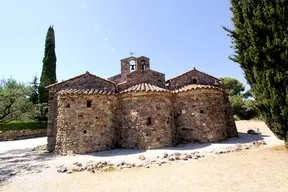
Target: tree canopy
{"points": [[14, 99], [48, 75], [233, 86], [260, 42]]}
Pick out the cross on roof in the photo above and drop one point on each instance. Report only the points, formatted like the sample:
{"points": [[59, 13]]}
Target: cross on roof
{"points": [[131, 54]]}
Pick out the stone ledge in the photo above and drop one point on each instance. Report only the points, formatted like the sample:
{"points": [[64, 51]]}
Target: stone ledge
{"points": [[22, 134]]}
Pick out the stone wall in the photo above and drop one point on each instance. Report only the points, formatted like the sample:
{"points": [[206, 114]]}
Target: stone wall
{"points": [[137, 77], [146, 120], [21, 134], [84, 81], [82, 129], [230, 122], [191, 77], [200, 116]]}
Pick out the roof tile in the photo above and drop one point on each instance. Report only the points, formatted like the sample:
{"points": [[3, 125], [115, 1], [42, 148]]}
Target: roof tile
{"points": [[144, 87], [84, 92], [195, 86]]}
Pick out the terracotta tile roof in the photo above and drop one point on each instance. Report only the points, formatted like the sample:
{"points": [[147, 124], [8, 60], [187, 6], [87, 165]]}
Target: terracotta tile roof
{"points": [[84, 92], [144, 87], [194, 86]]}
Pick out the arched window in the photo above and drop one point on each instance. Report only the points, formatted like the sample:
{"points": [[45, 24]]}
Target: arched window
{"points": [[194, 81], [132, 65]]}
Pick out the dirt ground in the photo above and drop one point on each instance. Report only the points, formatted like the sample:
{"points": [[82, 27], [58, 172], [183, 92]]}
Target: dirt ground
{"points": [[258, 169]]}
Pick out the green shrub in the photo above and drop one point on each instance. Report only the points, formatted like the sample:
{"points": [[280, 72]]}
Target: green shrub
{"points": [[21, 125]]}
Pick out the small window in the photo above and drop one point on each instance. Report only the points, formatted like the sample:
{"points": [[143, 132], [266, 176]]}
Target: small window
{"points": [[84, 131], [89, 103], [68, 105], [194, 81], [201, 111], [149, 121], [143, 64]]}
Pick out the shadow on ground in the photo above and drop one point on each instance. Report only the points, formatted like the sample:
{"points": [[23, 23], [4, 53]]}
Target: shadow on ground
{"points": [[242, 139], [22, 161]]}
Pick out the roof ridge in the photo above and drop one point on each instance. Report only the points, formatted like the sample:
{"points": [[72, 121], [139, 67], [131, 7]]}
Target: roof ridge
{"points": [[87, 73], [193, 69]]}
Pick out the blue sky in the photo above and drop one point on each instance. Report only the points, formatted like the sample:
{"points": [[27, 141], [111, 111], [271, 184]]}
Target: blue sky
{"points": [[93, 35]]}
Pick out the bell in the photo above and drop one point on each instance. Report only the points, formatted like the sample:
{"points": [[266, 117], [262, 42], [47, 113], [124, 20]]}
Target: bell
{"points": [[132, 67]]}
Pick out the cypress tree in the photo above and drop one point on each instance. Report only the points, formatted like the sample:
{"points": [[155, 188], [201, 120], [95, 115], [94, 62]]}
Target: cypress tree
{"points": [[260, 42], [48, 75]]}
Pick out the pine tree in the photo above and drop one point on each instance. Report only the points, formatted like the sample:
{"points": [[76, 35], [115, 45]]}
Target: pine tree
{"points": [[260, 42], [48, 75]]}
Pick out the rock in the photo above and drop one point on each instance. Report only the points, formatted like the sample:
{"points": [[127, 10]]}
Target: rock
{"points": [[59, 166], [171, 159], [176, 154], [77, 164], [104, 163], [189, 156], [77, 169], [139, 165], [177, 158], [90, 168], [238, 147], [183, 157], [159, 162], [258, 143], [69, 172], [195, 157], [62, 169], [13, 173], [246, 147], [165, 155], [147, 166], [142, 157], [254, 131], [262, 142]]}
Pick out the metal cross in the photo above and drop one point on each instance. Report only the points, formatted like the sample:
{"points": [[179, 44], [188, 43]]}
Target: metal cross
{"points": [[131, 54]]}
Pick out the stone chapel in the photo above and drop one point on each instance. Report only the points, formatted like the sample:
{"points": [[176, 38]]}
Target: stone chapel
{"points": [[137, 108]]}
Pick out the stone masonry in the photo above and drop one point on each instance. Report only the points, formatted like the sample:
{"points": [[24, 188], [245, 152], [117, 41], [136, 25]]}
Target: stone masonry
{"points": [[137, 109]]}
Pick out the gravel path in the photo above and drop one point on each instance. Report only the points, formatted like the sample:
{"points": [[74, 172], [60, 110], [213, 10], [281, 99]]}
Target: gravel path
{"points": [[238, 171]]}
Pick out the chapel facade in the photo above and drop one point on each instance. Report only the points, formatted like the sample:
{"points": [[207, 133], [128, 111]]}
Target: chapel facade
{"points": [[137, 108]]}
